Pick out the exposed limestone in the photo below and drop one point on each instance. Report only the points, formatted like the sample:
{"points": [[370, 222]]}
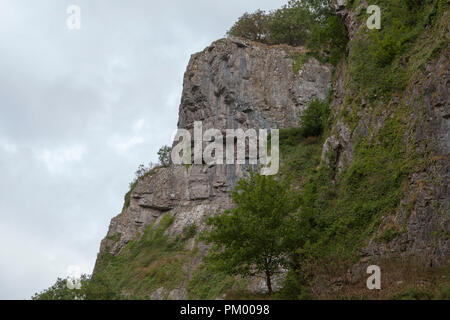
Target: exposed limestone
{"points": [[232, 84], [236, 83]]}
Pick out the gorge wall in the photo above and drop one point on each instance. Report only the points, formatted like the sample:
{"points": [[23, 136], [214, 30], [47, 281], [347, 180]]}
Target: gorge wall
{"points": [[235, 83], [232, 84]]}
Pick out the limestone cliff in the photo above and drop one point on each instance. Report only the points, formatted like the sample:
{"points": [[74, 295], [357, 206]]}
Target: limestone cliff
{"points": [[382, 170], [232, 84]]}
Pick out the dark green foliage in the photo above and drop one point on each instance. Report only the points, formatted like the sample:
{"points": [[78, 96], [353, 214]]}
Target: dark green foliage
{"points": [[295, 287], [290, 25], [252, 239], [252, 26], [91, 289], [413, 294], [207, 284], [376, 64], [152, 261], [189, 232], [290, 136], [389, 235], [311, 23], [314, 119], [327, 41], [60, 291], [386, 49]]}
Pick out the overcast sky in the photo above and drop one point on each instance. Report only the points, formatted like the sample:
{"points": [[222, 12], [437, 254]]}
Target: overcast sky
{"points": [[79, 111]]}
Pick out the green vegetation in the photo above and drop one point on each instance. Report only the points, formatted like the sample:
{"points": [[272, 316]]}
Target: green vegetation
{"points": [[389, 235], [382, 61], [252, 238], [60, 291], [252, 26], [310, 23], [140, 174], [299, 61], [315, 119], [207, 284], [152, 261], [413, 294]]}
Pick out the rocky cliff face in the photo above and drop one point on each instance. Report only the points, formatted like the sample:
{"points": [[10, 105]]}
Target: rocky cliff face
{"points": [[232, 84], [236, 83], [423, 219]]}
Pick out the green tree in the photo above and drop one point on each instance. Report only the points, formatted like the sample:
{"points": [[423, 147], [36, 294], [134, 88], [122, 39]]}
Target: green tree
{"points": [[164, 155], [252, 26], [310, 22], [60, 291], [314, 119], [290, 24], [95, 288], [253, 238]]}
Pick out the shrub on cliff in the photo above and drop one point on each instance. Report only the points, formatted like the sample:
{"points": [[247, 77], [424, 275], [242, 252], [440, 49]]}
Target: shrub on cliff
{"points": [[290, 24], [252, 26], [314, 119]]}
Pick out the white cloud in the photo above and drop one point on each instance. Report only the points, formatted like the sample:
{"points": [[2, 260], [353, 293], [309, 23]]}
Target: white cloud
{"points": [[58, 160], [139, 125], [121, 146], [8, 147]]}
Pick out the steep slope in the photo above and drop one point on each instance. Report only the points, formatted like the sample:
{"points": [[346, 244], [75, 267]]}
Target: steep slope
{"points": [[408, 102]]}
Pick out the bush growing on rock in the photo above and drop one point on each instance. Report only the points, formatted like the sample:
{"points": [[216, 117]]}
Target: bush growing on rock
{"points": [[314, 119]]}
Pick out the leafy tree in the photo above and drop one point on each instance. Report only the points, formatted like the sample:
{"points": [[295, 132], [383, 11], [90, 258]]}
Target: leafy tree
{"points": [[314, 119], [290, 24], [310, 22], [95, 288], [252, 26], [328, 40], [164, 155], [60, 291], [253, 238]]}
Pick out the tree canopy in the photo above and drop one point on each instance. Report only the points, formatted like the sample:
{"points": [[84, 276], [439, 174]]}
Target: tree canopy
{"points": [[310, 23], [253, 239]]}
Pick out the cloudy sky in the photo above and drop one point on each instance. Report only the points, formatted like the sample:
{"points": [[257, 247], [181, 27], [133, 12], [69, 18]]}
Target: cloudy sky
{"points": [[79, 111]]}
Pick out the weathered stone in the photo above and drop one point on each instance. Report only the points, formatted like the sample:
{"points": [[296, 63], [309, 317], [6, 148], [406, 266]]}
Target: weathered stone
{"points": [[232, 84]]}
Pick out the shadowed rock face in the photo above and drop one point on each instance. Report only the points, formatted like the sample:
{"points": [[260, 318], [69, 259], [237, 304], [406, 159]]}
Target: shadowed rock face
{"points": [[427, 221], [232, 84]]}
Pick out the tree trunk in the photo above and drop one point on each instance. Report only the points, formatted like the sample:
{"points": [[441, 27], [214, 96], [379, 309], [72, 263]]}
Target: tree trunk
{"points": [[269, 282]]}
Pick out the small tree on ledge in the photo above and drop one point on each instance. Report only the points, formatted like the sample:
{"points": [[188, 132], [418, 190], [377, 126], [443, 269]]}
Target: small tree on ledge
{"points": [[253, 238]]}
